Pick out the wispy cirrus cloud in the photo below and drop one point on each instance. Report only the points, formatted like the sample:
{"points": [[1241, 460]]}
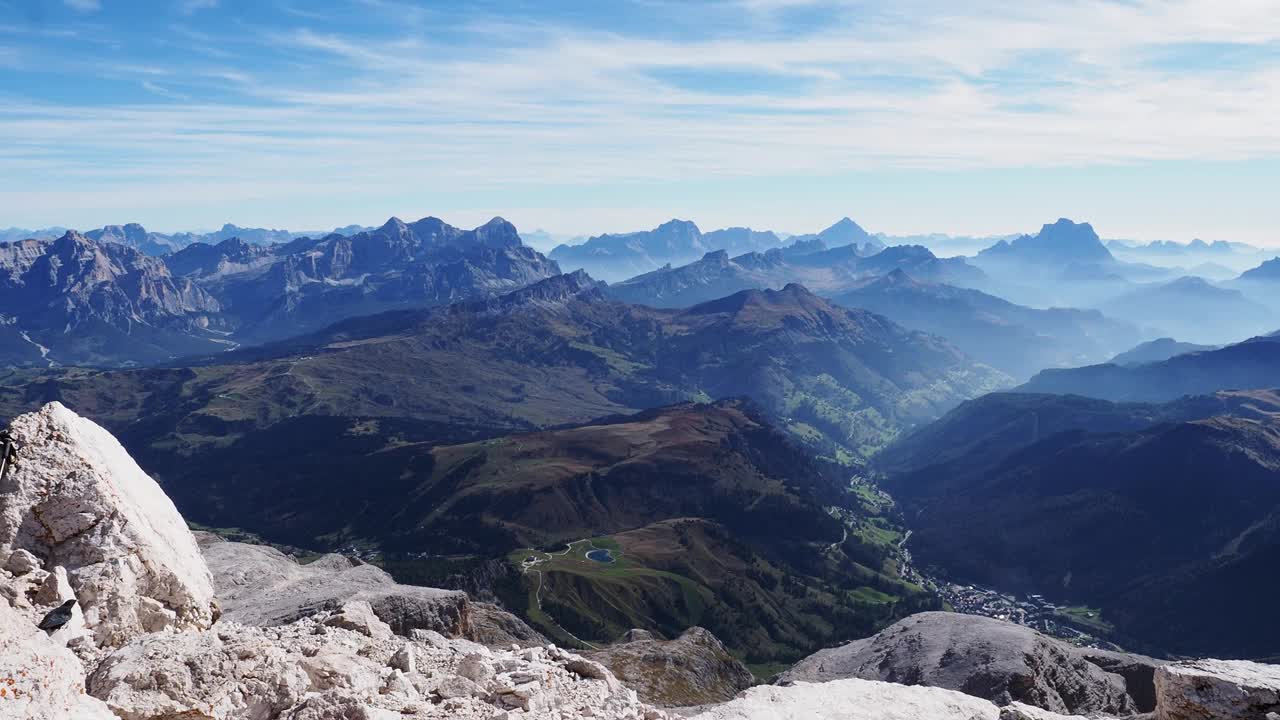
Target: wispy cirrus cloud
{"points": [[382, 95]]}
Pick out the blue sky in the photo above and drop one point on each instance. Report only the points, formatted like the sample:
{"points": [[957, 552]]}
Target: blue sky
{"points": [[1150, 119]]}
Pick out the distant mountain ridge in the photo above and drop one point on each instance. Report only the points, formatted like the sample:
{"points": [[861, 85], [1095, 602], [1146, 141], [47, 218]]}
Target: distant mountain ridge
{"points": [[154, 243], [1015, 339], [827, 271], [127, 306], [83, 302], [1157, 350], [1251, 364], [616, 257], [1193, 309]]}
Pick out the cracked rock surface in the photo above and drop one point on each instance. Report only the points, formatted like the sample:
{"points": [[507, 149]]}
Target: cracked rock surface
{"points": [[75, 499], [987, 658]]}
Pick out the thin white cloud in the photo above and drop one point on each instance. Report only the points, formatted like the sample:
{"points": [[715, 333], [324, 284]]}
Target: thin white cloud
{"points": [[923, 85]]}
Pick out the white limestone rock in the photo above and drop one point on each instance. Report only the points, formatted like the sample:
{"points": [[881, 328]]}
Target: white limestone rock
{"points": [[39, 679], [259, 585], [21, 562], [312, 670], [76, 499], [851, 700], [1022, 711], [1217, 690], [992, 659]]}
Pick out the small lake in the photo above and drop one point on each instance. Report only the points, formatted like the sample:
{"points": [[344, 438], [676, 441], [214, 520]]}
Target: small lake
{"points": [[600, 556]]}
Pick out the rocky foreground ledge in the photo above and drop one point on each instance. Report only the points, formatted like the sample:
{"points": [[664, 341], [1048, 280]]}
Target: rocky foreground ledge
{"points": [[166, 627]]}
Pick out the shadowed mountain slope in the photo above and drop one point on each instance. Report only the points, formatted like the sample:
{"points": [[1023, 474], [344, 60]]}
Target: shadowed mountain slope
{"points": [[1251, 364], [1162, 516]]}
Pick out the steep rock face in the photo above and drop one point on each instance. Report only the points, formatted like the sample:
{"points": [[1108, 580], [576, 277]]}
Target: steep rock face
{"points": [[1218, 690], [75, 499], [308, 283], [998, 661], [693, 669], [851, 700], [93, 302], [617, 256], [39, 679]]}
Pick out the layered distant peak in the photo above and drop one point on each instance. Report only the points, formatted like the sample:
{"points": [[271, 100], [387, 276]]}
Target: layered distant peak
{"points": [[395, 227], [793, 298], [1268, 271], [498, 233], [553, 291], [1191, 283], [675, 225], [717, 257], [806, 247], [845, 232], [131, 234], [740, 240], [903, 253], [1061, 242]]}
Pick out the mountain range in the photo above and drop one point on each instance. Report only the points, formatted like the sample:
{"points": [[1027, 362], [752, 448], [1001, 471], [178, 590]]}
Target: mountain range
{"points": [[1015, 339], [827, 271], [127, 307], [78, 301], [155, 243], [1157, 350], [558, 351], [1193, 309], [678, 242], [1245, 365]]}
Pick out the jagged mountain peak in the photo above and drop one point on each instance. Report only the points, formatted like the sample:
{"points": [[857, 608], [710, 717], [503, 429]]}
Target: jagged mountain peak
{"points": [[393, 225], [1063, 241], [844, 232]]}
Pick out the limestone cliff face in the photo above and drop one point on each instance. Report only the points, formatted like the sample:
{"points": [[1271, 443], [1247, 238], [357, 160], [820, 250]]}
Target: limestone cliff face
{"points": [[76, 500]]}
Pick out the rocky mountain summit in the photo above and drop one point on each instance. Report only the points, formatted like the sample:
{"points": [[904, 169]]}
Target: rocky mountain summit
{"points": [[103, 300], [165, 635], [79, 301]]}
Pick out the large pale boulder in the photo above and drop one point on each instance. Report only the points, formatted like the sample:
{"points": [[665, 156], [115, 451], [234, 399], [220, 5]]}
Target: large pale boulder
{"points": [[76, 499], [1218, 690], [995, 660], [851, 700], [40, 679]]}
